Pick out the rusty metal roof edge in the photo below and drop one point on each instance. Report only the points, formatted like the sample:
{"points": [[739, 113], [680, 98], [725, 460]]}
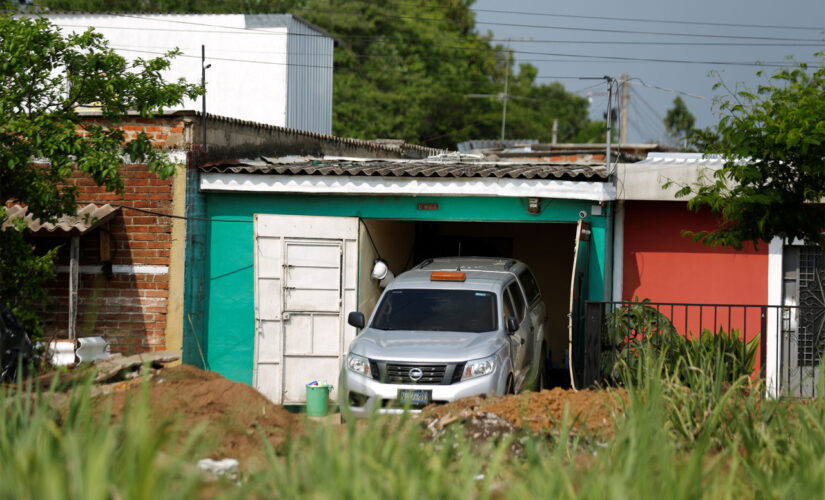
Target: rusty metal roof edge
{"points": [[346, 161], [343, 140]]}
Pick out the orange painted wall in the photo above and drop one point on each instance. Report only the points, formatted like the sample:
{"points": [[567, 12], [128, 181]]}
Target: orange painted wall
{"points": [[662, 265]]}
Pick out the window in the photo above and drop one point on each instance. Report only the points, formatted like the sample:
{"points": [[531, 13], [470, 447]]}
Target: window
{"points": [[531, 288], [437, 310], [518, 300], [509, 310]]}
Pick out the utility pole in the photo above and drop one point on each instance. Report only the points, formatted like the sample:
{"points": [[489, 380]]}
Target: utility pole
{"points": [[506, 88], [610, 81], [204, 67], [503, 96], [623, 110]]}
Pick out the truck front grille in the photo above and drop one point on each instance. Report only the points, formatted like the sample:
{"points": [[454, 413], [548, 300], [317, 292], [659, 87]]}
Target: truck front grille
{"points": [[404, 373], [392, 372]]}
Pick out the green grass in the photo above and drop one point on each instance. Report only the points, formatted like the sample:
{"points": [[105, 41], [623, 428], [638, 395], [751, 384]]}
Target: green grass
{"points": [[68, 449], [714, 440]]}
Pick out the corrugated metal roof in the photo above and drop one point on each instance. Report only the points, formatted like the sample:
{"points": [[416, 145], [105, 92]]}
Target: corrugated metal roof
{"points": [[88, 217], [680, 159], [476, 144], [409, 168]]}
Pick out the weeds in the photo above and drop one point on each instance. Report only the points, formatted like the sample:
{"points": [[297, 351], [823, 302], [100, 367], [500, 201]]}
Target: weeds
{"points": [[675, 438], [51, 448]]}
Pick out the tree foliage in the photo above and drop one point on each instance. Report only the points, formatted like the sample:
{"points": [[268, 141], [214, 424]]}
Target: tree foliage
{"points": [[772, 141], [45, 77], [679, 121], [403, 70]]}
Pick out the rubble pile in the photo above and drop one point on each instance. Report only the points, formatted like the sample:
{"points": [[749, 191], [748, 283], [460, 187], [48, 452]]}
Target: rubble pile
{"points": [[589, 412]]}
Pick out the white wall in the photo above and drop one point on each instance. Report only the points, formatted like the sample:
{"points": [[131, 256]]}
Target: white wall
{"points": [[248, 76]]}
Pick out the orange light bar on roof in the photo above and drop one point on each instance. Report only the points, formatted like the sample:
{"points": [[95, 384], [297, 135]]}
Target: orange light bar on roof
{"points": [[448, 276]]}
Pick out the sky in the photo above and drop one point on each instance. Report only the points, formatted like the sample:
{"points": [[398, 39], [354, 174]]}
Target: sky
{"points": [[682, 47]]}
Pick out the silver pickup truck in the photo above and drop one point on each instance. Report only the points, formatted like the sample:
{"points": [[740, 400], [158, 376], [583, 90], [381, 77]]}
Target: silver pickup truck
{"points": [[447, 329]]}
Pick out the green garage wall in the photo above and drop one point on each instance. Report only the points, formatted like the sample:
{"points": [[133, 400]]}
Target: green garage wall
{"points": [[225, 312]]}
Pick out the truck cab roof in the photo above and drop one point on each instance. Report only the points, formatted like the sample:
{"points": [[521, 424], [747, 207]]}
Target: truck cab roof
{"points": [[480, 273]]}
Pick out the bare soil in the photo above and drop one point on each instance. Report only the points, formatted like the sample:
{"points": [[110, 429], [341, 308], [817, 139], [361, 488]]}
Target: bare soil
{"points": [[230, 411], [233, 412], [588, 411]]}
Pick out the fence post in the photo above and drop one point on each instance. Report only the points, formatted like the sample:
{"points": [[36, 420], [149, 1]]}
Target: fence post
{"points": [[593, 333], [763, 343]]}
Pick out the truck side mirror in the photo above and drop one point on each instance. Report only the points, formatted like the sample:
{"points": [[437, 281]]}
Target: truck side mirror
{"points": [[512, 325], [356, 319]]}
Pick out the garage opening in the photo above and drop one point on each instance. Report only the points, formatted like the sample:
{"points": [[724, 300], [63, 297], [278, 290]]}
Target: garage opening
{"points": [[547, 248]]}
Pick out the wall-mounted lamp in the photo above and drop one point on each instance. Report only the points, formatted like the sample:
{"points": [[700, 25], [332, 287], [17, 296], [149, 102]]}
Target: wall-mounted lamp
{"points": [[534, 206], [382, 273]]}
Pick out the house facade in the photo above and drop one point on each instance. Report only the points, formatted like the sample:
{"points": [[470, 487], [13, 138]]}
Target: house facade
{"points": [[290, 240], [654, 259]]}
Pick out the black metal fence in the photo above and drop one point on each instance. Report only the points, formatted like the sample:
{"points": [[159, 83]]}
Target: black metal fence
{"points": [[781, 344]]}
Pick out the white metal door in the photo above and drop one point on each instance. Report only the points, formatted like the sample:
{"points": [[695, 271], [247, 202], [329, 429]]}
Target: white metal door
{"points": [[306, 271]]}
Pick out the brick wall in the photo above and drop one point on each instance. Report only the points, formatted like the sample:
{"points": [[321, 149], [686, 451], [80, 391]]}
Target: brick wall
{"points": [[129, 309], [165, 132]]}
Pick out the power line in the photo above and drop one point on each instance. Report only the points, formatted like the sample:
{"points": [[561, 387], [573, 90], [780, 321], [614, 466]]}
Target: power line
{"points": [[672, 91], [657, 119], [621, 19], [227, 59], [657, 21], [566, 28], [654, 127], [256, 32], [583, 56], [161, 214], [605, 59], [647, 104]]}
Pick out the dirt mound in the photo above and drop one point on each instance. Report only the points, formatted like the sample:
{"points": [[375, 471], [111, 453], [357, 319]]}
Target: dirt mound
{"points": [[229, 410], [592, 411]]}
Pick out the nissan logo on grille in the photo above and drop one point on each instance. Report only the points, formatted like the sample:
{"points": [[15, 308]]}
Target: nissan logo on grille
{"points": [[416, 374]]}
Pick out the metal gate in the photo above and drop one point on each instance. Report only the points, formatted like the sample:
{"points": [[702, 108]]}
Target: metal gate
{"points": [[305, 275], [803, 341]]}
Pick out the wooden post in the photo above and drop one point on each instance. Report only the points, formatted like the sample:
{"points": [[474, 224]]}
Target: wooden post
{"points": [[74, 272]]}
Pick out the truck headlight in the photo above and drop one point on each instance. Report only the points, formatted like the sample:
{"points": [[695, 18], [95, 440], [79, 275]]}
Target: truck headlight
{"points": [[358, 364], [479, 367]]}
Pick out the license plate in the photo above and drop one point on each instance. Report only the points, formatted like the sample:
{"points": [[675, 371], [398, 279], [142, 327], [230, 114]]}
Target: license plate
{"points": [[411, 396]]}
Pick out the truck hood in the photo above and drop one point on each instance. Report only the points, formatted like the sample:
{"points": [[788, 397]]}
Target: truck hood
{"points": [[406, 345]]}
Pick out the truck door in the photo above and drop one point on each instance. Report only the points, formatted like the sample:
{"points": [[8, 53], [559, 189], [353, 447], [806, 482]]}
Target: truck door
{"points": [[515, 306]]}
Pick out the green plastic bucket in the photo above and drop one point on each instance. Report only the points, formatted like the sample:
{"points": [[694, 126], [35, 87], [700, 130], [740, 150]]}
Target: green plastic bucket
{"points": [[317, 400]]}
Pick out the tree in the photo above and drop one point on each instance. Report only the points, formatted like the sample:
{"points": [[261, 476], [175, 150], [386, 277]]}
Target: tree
{"points": [[403, 70], [679, 121], [45, 77], [773, 179]]}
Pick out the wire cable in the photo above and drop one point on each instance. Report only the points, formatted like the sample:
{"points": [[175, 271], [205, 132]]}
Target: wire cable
{"points": [[256, 32], [567, 28], [161, 214], [672, 91]]}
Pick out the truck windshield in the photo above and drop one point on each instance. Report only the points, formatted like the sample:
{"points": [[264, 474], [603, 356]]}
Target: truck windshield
{"points": [[437, 310]]}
